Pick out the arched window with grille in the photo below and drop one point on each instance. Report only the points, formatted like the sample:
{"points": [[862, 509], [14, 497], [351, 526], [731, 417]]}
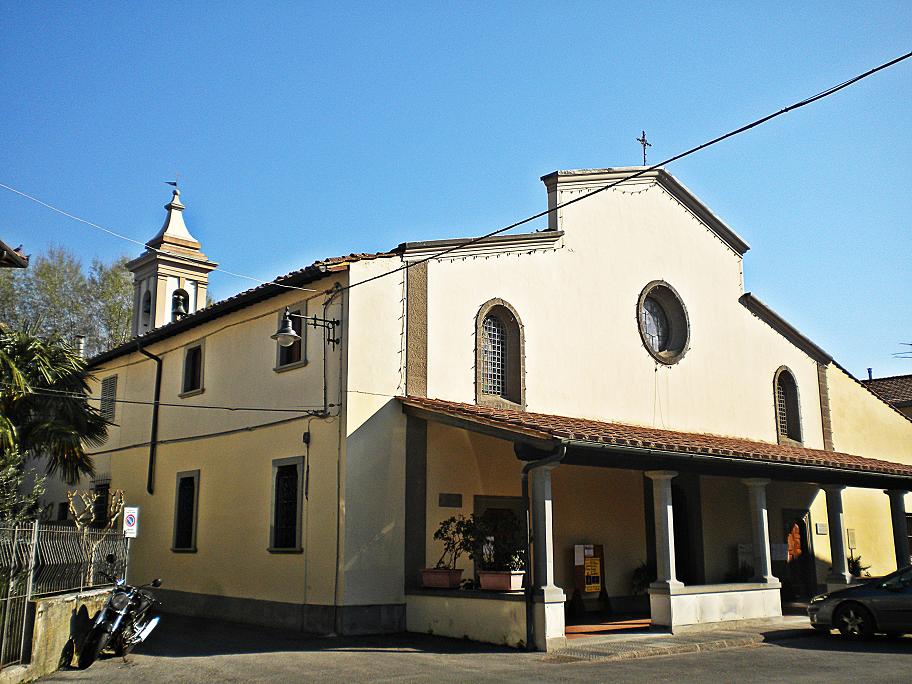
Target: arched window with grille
{"points": [[788, 413], [499, 356]]}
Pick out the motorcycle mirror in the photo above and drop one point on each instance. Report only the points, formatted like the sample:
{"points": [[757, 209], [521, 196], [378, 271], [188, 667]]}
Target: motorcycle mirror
{"points": [[111, 558], [156, 582]]}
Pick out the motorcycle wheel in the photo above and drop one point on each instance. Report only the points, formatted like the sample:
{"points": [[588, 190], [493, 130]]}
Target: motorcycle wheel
{"points": [[121, 648], [93, 645]]}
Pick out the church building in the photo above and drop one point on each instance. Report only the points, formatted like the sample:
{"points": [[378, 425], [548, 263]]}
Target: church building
{"points": [[672, 449]]}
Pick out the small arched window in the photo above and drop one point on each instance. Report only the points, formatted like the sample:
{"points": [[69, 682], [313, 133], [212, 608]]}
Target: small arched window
{"points": [[145, 317], [788, 414], [499, 356]]}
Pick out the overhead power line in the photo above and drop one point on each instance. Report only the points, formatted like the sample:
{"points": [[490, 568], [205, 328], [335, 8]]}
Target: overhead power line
{"points": [[63, 394], [797, 105], [143, 244], [665, 162]]}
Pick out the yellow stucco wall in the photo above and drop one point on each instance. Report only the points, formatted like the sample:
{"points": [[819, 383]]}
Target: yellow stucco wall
{"points": [[599, 506], [866, 426], [487, 620], [234, 452]]}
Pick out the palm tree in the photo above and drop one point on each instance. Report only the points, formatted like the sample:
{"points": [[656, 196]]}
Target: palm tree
{"points": [[44, 411]]}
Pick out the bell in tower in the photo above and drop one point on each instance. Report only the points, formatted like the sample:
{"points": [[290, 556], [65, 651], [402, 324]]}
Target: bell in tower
{"points": [[171, 277]]}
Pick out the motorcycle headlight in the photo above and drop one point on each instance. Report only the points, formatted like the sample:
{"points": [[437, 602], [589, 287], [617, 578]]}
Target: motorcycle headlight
{"points": [[119, 602]]}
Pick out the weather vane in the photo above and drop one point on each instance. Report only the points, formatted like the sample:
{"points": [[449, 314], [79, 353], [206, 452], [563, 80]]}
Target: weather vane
{"points": [[173, 183], [645, 143]]}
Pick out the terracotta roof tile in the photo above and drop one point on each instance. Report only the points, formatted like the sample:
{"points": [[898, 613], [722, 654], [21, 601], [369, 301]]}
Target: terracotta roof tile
{"points": [[546, 426], [894, 390]]}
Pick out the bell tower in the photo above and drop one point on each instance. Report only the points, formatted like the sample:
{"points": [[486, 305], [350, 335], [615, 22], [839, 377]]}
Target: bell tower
{"points": [[170, 278]]}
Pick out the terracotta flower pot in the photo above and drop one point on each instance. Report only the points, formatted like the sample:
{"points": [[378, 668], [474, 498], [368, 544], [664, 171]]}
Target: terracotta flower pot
{"points": [[501, 580], [441, 578]]}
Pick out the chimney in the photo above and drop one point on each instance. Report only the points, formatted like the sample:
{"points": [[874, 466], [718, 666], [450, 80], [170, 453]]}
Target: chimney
{"points": [[870, 375], [79, 343]]}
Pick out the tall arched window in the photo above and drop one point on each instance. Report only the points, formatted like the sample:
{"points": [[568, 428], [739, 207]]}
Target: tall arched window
{"points": [[499, 361], [788, 414]]}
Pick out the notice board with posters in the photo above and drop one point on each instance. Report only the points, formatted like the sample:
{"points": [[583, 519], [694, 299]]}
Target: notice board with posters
{"points": [[588, 569]]}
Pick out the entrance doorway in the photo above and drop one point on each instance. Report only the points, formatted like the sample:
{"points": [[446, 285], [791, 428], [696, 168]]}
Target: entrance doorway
{"points": [[799, 579]]}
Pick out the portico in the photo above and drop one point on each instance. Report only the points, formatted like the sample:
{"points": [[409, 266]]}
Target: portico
{"points": [[554, 451]]}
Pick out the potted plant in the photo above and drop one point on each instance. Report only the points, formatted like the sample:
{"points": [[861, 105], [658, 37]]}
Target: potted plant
{"points": [[453, 533], [498, 549]]}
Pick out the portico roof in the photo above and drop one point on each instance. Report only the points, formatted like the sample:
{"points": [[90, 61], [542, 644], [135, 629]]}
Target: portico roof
{"points": [[634, 446]]}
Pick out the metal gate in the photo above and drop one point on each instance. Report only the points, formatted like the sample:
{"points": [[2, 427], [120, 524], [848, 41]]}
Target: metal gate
{"points": [[38, 559]]}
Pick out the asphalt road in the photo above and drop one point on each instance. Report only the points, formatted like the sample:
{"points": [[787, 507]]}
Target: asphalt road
{"points": [[189, 650]]}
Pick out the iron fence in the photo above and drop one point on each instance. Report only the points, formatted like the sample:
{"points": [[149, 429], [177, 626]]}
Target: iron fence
{"points": [[39, 559]]}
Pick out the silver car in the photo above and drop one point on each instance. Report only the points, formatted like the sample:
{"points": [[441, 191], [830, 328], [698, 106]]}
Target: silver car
{"points": [[882, 605]]}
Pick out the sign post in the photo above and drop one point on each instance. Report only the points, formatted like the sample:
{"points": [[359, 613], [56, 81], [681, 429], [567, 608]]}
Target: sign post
{"points": [[131, 521]]}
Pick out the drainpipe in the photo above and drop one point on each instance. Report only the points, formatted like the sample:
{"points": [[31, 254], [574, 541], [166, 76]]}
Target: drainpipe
{"points": [[153, 437], [556, 457]]}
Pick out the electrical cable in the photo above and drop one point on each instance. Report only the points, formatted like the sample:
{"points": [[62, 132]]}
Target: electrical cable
{"points": [[802, 103], [163, 252], [63, 394], [797, 105]]}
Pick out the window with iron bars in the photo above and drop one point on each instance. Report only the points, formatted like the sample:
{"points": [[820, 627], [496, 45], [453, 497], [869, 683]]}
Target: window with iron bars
{"points": [[494, 357]]}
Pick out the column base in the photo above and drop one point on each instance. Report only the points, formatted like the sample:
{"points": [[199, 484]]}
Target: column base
{"points": [[766, 579], [548, 606], [666, 586]]}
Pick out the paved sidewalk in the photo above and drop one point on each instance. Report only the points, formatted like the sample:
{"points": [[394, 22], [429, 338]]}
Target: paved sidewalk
{"points": [[710, 638]]}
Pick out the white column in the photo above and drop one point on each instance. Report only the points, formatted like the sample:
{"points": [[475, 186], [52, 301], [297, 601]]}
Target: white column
{"points": [[548, 598], [664, 528], [763, 566], [900, 529], [839, 573], [542, 528]]}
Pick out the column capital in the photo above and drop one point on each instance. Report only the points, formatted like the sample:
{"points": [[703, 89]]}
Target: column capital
{"points": [[660, 474], [756, 481], [896, 492], [833, 488]]}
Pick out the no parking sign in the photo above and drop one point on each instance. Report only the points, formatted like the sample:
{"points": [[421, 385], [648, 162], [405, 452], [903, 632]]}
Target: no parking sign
{"points": [[131, 521]]}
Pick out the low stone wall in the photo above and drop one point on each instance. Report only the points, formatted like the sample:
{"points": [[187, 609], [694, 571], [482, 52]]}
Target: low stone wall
{"points": [[60, 624], [475, 615], [712, 603]]}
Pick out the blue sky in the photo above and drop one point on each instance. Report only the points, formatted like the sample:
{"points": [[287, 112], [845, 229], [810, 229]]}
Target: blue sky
{"points": [[305, 130]]}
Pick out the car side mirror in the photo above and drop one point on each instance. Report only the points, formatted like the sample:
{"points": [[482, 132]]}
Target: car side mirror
{"points": [[111, 558], [156, 582]]}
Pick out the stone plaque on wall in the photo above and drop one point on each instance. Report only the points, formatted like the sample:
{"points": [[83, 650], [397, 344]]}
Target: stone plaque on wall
{"points": [[449, 500]]}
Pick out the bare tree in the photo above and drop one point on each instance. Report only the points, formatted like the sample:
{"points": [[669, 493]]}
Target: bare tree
{"points": [[84, 514]]}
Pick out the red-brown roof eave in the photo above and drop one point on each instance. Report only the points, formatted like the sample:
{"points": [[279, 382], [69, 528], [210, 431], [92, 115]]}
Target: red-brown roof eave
{"points": [[587, 432]]}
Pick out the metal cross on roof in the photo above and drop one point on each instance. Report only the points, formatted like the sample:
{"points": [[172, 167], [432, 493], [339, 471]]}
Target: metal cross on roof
{"points": [[645, 143]]}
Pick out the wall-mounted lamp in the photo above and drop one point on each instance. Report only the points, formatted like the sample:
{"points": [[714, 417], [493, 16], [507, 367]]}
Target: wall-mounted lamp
{"points": [[286, 335]]}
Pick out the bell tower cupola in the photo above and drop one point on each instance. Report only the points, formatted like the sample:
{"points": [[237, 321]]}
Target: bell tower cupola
{"points": [[171, 277]]}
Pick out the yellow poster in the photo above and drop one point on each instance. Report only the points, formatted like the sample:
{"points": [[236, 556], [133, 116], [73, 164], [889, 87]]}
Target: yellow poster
{"points": [[593, 574]]}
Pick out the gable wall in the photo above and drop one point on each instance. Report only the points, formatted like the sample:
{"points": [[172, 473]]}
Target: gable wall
{"points": [[584, 355]]}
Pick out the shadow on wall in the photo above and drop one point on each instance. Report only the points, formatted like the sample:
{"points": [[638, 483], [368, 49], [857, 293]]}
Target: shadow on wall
{"points": [[80, 625], [375, 524]]}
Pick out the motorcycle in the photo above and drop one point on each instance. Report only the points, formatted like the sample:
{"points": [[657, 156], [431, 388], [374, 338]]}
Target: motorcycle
{"points": [[123, 623]]}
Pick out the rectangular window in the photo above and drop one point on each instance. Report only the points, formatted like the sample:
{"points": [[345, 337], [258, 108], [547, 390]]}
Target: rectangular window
{"points": [[294, 353], [287, 500], [193, 369], [185, 506], [109, 398], [63, 511], [100, 507]]}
